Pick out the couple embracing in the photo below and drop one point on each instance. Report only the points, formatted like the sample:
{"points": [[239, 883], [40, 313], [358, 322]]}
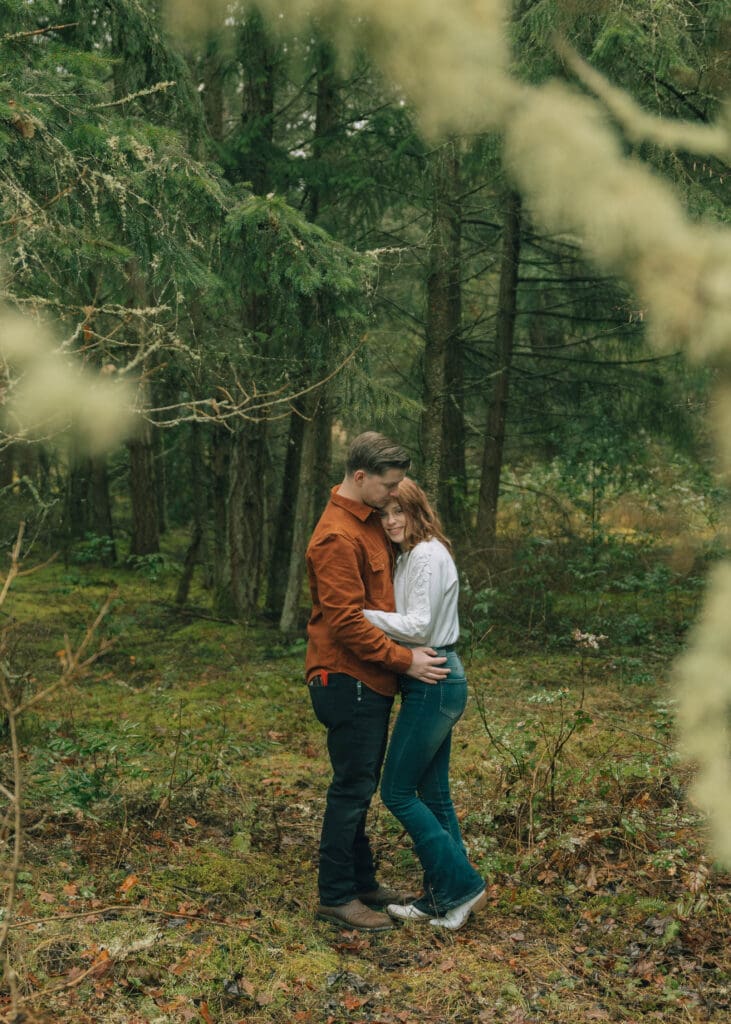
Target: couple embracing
{"points": [[384, 620]]}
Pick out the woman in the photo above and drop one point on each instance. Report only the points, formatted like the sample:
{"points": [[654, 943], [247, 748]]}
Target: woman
{"points": [[415, 783]]}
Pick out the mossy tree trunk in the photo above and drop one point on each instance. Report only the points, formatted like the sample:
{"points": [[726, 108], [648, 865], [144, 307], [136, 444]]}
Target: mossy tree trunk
{"points": [[492, 458]]}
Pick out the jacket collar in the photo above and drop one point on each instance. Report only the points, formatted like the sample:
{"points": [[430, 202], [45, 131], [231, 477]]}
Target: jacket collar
{"points": [[357, 508]]}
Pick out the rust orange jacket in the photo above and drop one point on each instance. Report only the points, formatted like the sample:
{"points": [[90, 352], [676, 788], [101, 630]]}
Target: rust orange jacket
{"points": [[349, 569]]}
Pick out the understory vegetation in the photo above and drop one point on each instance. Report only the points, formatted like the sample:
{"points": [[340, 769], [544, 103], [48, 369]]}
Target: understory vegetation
{"points": [[173, 795]]}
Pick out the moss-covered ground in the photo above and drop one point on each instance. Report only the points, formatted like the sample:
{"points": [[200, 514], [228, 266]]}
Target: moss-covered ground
{"points": [[172, 803]]}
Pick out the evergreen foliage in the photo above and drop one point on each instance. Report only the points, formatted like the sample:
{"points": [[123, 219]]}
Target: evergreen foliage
{"points": [[246, 227]]}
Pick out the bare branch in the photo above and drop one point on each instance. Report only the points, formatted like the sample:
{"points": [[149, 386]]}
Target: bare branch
{"points": [[14, 564]]}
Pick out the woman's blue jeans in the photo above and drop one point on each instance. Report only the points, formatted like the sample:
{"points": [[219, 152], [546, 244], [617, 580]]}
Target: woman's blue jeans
{"points": [[415, 786]]}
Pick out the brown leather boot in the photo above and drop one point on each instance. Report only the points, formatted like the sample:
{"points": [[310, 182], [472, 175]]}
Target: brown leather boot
{"points": [[382, 895], [355, 915]]}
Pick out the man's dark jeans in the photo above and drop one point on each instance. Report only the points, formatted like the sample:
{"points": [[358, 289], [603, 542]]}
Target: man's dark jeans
{"points": [[356, 719]]}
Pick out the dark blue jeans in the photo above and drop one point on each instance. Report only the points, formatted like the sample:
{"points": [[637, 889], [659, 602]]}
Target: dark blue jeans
{"points": [[415, 786], [356, 719]]}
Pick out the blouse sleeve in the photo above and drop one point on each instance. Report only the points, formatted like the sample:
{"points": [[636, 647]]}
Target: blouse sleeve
{"points": [[413, 624]]}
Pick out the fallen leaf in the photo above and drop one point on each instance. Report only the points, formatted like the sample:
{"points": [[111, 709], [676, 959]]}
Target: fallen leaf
{"points": [[205, 1012], [127, 884], [102, 964], [354, 1002]]}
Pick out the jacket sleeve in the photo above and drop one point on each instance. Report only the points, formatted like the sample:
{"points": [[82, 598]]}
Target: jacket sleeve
{"points": [[414, 623], [341, 595]]}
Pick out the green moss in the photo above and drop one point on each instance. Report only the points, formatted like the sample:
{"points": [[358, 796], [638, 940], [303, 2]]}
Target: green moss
{"points": [[210, 872]]}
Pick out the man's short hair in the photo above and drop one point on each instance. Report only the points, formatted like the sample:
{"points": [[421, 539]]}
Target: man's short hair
{"points": [[375, 453]]}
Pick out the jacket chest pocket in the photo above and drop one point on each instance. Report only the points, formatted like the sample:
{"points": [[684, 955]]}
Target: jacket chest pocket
{"points": [[379, 577]]}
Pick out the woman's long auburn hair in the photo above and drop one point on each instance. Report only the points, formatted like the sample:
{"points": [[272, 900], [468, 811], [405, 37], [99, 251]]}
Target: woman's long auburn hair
{"points": [[422, 522]]}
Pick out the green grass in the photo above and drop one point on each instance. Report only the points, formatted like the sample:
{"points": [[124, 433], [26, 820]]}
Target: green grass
{"points": [[173, 800]]}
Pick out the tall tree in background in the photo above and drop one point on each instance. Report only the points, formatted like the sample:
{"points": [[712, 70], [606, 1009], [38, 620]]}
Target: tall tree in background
{"points": [[308, 451], [443, 308], [492, 457]]}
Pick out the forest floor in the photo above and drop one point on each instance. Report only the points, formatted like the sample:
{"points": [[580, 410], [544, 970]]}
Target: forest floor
{"points": [[172, 803]]}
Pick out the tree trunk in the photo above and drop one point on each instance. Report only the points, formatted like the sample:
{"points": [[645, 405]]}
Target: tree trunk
{"points": [[77, 495], [453, 483], [240, 536], [145, 539], [441, 328], [191, 559], [221, 445], [200, 493], [492, 459], [158, 448], [312, 478], [326, 120], [279, 557], [259, 56], [7, 466], [100, 506], [289, 623], [326, 110], [245, 514], [323, 458], [213, 72]]}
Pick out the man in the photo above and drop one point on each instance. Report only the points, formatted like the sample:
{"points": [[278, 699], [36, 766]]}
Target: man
{"points": [[351, 669]]}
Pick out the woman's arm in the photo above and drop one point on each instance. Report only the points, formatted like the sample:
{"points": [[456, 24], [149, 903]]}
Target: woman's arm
{"points": [[413, 622]]}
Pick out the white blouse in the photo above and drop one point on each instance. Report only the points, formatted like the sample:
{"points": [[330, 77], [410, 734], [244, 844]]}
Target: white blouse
{"points": [[426, 588]]}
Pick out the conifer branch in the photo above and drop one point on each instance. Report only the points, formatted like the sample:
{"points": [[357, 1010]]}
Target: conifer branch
{"points": [[44, 206], [158, 87], [11, 36]]}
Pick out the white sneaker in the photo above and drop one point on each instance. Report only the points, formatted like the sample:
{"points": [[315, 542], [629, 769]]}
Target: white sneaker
{"points": [[457, 916], [406, 913]]}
